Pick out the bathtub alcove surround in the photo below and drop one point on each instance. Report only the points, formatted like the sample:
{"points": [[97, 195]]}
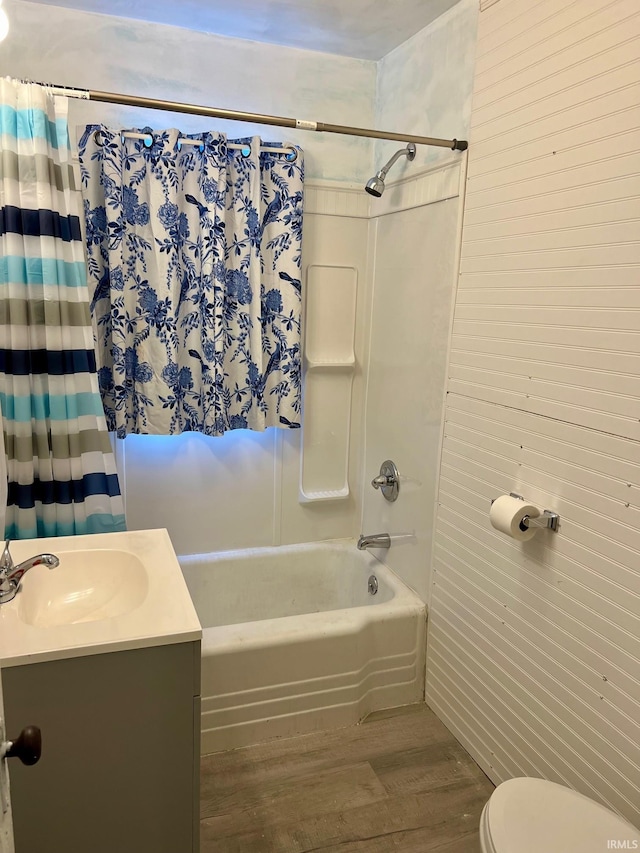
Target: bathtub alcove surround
{"points": [[294, 642]]}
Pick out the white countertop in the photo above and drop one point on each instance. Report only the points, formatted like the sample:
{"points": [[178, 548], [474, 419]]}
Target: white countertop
{"points": [[163, 612]]}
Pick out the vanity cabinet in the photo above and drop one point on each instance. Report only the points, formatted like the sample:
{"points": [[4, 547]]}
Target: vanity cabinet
{"points": [[119, 771]]}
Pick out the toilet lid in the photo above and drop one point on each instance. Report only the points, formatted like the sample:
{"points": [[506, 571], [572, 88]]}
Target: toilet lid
{"points": [[533, 815]]}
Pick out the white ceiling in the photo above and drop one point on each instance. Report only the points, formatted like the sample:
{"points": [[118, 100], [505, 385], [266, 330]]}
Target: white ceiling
{"points": [[367, 29]]}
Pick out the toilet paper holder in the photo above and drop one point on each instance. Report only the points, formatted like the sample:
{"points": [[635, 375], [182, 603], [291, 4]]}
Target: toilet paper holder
{"points": [[548, 520]]}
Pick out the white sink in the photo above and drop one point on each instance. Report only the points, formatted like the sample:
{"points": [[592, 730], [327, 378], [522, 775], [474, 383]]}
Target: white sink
{"points": [[111, 592], [85, 587]]}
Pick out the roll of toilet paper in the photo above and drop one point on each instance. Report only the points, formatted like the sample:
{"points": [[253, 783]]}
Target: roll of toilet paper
{"points": [[506, 514]]}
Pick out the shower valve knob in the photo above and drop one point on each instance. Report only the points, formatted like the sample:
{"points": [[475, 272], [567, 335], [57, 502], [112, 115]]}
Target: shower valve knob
{"points": [[377, 482], [388, 481]]}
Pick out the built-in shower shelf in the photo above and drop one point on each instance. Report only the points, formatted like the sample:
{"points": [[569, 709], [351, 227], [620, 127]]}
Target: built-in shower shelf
{"points": [[345, 365], [330, 366], [335, 495]]}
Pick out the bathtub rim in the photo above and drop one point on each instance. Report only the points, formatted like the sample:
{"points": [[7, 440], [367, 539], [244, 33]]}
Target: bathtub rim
{"points": [[281, 630]]}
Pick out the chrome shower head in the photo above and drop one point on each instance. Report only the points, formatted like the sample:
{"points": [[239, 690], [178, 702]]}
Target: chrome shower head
{"points": [[375, 186]]}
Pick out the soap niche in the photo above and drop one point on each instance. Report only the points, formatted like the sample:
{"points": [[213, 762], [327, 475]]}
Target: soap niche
{"points": [[330, 316]]}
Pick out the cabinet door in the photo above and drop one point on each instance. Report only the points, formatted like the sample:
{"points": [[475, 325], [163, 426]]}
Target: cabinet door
{"points": [[117, 774]]}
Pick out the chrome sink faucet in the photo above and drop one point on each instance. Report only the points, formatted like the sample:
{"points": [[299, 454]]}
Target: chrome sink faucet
{"points": [[376, 540], [12, 574]]}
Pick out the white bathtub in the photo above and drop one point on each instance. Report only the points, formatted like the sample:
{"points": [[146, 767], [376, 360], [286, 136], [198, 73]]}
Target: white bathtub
{"points": [[294, 642]]}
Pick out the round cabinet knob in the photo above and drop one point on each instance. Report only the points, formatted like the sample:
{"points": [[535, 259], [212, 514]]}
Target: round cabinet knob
{"points": [[27, 746]]}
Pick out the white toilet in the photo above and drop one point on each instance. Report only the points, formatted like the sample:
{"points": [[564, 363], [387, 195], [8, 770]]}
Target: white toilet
{"points": [[535, 816]]}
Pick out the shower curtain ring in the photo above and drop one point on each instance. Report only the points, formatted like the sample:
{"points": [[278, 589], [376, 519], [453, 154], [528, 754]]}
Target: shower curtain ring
{"points": [[96, 137]]}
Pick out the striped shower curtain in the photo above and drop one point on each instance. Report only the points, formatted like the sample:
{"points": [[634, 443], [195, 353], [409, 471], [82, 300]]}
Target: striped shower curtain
{"points": [[61, 471]]}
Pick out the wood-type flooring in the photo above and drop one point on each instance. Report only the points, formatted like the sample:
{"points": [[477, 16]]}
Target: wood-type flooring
{"points": [[399, 781]]}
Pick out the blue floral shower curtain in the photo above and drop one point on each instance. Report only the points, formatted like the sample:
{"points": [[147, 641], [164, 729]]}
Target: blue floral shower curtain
{"points": [[194, 255], [60, 468]]}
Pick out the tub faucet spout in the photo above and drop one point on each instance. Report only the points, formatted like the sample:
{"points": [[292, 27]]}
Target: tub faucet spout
{"points": [[375, 540]]}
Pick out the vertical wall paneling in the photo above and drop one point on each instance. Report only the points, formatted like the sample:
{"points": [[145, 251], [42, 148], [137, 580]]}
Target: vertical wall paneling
{"points": [[534, 649]]}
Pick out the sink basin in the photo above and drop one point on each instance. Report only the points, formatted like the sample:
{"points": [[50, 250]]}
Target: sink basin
{"points": [[111, 592], [87, 586]]}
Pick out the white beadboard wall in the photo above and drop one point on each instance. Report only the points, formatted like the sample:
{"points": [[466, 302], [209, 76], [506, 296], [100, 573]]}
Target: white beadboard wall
{"points": [[534, 648]]}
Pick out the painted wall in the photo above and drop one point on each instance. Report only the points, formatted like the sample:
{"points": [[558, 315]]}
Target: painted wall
{"points": [[424, 86], [534, 647], [67, 47], [357, 28]]}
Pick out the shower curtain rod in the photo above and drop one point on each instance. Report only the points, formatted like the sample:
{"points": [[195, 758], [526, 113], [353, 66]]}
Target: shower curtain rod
{"points": [[256, 118]]}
